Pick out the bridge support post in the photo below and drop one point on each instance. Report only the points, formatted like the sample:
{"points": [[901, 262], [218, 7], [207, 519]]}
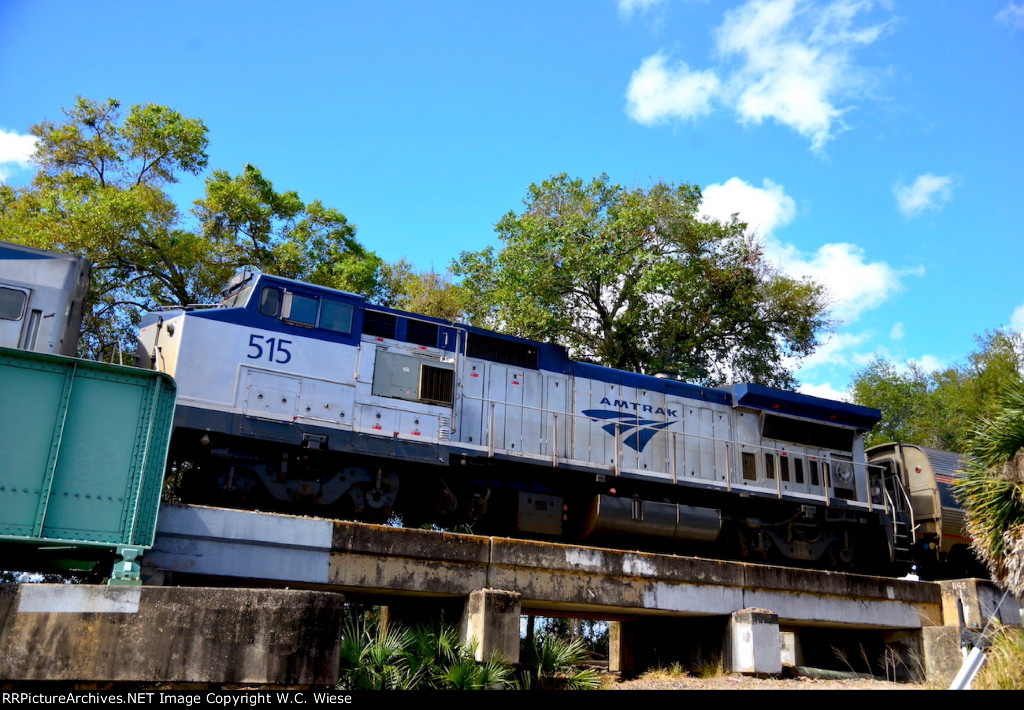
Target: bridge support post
{"points": [[752, 642], [491, 620]]}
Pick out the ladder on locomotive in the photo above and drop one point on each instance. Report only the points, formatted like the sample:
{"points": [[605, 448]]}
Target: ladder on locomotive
{"points": [[901, 512]]}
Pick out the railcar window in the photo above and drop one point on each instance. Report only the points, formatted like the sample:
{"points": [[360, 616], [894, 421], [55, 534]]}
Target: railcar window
{"points": [[749, 466], [784, 467], [336, 316], [300, 309], [270, 302], [12, 303], [769, 465], [798, 470]]}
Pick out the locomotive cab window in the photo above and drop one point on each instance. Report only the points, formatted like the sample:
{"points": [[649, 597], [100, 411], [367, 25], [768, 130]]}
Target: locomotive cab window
{"points": [[270, 302], [300, 309], [12, 303], [336, 316]]}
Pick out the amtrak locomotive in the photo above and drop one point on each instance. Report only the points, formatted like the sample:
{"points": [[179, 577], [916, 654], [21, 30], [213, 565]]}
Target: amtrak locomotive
{"points": [[314, 399]]}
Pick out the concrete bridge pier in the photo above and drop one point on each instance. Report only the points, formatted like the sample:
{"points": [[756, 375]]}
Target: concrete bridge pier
{"points": [[488, 619], [752, 642], [491, 623]]}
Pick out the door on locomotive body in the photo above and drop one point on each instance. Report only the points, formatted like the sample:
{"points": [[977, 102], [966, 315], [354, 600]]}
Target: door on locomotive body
{"points": [[268, 395], [660, 429], [748, 468], [707, 433], [556, 425], [643, 436], [473, 412], [512, 411]]}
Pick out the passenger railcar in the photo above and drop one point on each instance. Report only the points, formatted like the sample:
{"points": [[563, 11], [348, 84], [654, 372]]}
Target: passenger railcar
{"points": [[42, 295], [303, 395], [941, 543]]}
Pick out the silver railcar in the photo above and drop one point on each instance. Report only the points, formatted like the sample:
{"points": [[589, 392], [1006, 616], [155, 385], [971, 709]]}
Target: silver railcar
{"points": [[42, 296]]}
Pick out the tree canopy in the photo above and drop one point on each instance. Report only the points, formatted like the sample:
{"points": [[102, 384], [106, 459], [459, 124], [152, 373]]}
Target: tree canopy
{"points": [[100, 192], [635, 279], [428, 293], [940, 409]]}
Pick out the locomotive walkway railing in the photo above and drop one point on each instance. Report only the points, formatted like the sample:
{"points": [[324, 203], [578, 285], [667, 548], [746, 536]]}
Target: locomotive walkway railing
{"points": [[723, 455]]}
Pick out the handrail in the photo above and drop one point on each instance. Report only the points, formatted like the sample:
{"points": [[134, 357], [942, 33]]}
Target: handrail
{"points": [[908, 507]]}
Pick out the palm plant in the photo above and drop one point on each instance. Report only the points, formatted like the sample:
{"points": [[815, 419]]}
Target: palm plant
{"points": [[553, 662], [992, 491], [374, 658]]}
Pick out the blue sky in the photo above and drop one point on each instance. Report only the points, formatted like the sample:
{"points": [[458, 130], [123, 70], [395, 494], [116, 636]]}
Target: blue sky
{"points": [[876, 146]]}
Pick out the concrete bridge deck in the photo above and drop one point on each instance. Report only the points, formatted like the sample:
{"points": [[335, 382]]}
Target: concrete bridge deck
{"points": [[755, 618], [549, 578]]}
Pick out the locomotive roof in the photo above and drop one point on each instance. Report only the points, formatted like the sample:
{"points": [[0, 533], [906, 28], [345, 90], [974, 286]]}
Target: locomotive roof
{"points": [[20, 251], [803, 405]]}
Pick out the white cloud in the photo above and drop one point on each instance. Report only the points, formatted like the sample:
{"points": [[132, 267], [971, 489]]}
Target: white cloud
{"points": [[658, 92], [854, 284], [790, 61], [762, 208], [897, 331], [825, 391], [1017, 319], [928, 192], [1012, 15], [838, 349], [928, 363], [628, 7], [15, 149]]}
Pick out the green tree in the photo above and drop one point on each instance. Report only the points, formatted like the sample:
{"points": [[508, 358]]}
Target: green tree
{"points": [[636, 280], [276, 232], [100, 192], [374, 657], [903, 397], [428, 293], [940, 409]]}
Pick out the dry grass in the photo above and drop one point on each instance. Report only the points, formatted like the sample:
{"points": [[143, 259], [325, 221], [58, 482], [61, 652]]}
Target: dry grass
{"points": [[1004, 662]]}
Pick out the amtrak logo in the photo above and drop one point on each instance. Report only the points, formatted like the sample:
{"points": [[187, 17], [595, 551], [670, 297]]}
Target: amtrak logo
{"points": [[625, 422]]}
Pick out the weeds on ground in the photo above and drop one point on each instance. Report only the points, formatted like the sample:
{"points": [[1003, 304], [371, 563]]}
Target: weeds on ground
{"points": [[710, 667], [1004, 662], [845, 659], [657, 673]]}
